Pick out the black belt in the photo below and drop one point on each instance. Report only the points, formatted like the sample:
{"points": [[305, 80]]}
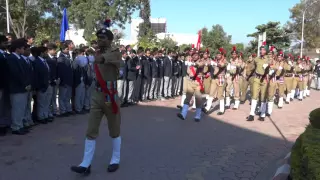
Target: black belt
{"points": [[288, 75], [258, 75]]}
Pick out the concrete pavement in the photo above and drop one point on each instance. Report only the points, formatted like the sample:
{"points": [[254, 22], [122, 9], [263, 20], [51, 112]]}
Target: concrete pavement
{"points": [[159, 146]]}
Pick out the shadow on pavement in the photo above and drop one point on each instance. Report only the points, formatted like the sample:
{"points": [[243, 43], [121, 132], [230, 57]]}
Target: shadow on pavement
{"points": [[156, 146]]}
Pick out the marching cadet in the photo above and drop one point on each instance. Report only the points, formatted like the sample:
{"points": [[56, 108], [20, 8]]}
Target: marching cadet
{"points": [[241, 71], [44, 91], [19, 85], [207, 77], [247, 78], [54, 81], [298, 81], [259, 84], [4, 93], [294, 82], [194, 87], [232, 77], [271, 84], [217, 86], [122, 79], [79, 76], [105, 101], [288, 74], [65, 74], [280, 71], [306, 76], [310, 76]]}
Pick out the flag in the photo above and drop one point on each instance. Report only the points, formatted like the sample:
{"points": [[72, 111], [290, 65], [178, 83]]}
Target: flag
{"points": [[199, 40], [64, 25]]}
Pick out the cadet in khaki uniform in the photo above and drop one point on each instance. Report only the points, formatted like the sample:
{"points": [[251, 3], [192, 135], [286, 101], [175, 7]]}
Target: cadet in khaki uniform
{"points": [[294, 80], [207, 77], [241, 74], [288, 74], [298, 79], [194, 87], [272, 83], [247, 78], [217, 88], [280, 77], [306, 71], [105, 101], [310, 76], [259, 84], [232, 77]]}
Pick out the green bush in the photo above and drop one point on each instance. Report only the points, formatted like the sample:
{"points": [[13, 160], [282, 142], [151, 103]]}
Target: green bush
{"points": [[314, 118], [305, 155]]}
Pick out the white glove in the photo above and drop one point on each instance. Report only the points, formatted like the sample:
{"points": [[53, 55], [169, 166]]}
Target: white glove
{"points": [[213, 63], [271, 72], [290, 63], [186, 63], [280, 68], [206, 64], [233, 67], [228, 67], [300, 66], [265, 66]]}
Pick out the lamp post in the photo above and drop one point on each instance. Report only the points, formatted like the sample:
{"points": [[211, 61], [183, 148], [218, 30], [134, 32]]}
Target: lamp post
{"points": [[7, 9], [302, 28]]}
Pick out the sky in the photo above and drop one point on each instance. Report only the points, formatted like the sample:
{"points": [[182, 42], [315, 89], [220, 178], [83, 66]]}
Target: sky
{"points": [[238, 17]]}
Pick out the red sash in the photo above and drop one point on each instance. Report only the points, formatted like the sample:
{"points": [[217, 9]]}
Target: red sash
{"points": [[105, 90], [197, 78]]}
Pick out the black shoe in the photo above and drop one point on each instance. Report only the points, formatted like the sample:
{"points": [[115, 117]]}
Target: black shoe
{"points": [[242, 102], [220, 113], [267, 114], [196, 120], [43, 121], [71, 113], [50, 119], [124, 105], [250, 118], [227, 107], [279, 107], [300, 99], [291, 99], [179, 107], [234, 108], [205, 111], [113, 167], [180, 116], [63, 115], [80, 112], [27, 127], [287, 102], [81, 170], [3, 131], [167, 97], [20, 132], [261, 119]]}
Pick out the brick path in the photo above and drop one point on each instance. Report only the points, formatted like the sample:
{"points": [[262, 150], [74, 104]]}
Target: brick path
{"points": [[158, 146]]}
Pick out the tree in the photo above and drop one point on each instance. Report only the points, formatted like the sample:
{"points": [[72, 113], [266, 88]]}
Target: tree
{"points": [[215, 38], [311, 25], [182, 47], [276, 36], [145, 13], [89, 14], [148, 41], [167, 43]]}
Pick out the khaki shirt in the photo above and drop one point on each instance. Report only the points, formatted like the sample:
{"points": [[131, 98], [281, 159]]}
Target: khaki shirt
{"points": [[298, 69], [279, 68], [109, 63], [261, 64], [249, 68]]}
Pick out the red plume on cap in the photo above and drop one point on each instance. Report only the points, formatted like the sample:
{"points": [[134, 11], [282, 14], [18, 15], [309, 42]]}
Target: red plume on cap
{"points": [[303, 57], [107, 23], [241, 54], [192, 46], [254, 55], [264, 43], [234, 48], [308, 58], [207, 50], [221, 50], [271, 48]]}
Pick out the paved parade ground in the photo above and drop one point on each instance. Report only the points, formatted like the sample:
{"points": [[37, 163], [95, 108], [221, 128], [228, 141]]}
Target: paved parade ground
{"points": [[159, 146]]}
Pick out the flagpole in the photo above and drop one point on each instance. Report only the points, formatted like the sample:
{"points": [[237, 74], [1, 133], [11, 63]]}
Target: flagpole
{"points": [[8, 21]]}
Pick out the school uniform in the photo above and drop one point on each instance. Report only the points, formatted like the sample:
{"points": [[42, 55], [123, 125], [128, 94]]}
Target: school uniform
{"points": [[43, 89], [79, 76], [168, 74], [65, 74], [138, 83], [28, 121], [19, 79], [122, 80], [146, 80], [89, 78], [132, 77], [153, 94], [160, 85], [5, 120], [52, 62]]}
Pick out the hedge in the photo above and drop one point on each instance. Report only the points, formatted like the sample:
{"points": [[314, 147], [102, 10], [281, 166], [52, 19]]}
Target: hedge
{"points": [[305, 155]]}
